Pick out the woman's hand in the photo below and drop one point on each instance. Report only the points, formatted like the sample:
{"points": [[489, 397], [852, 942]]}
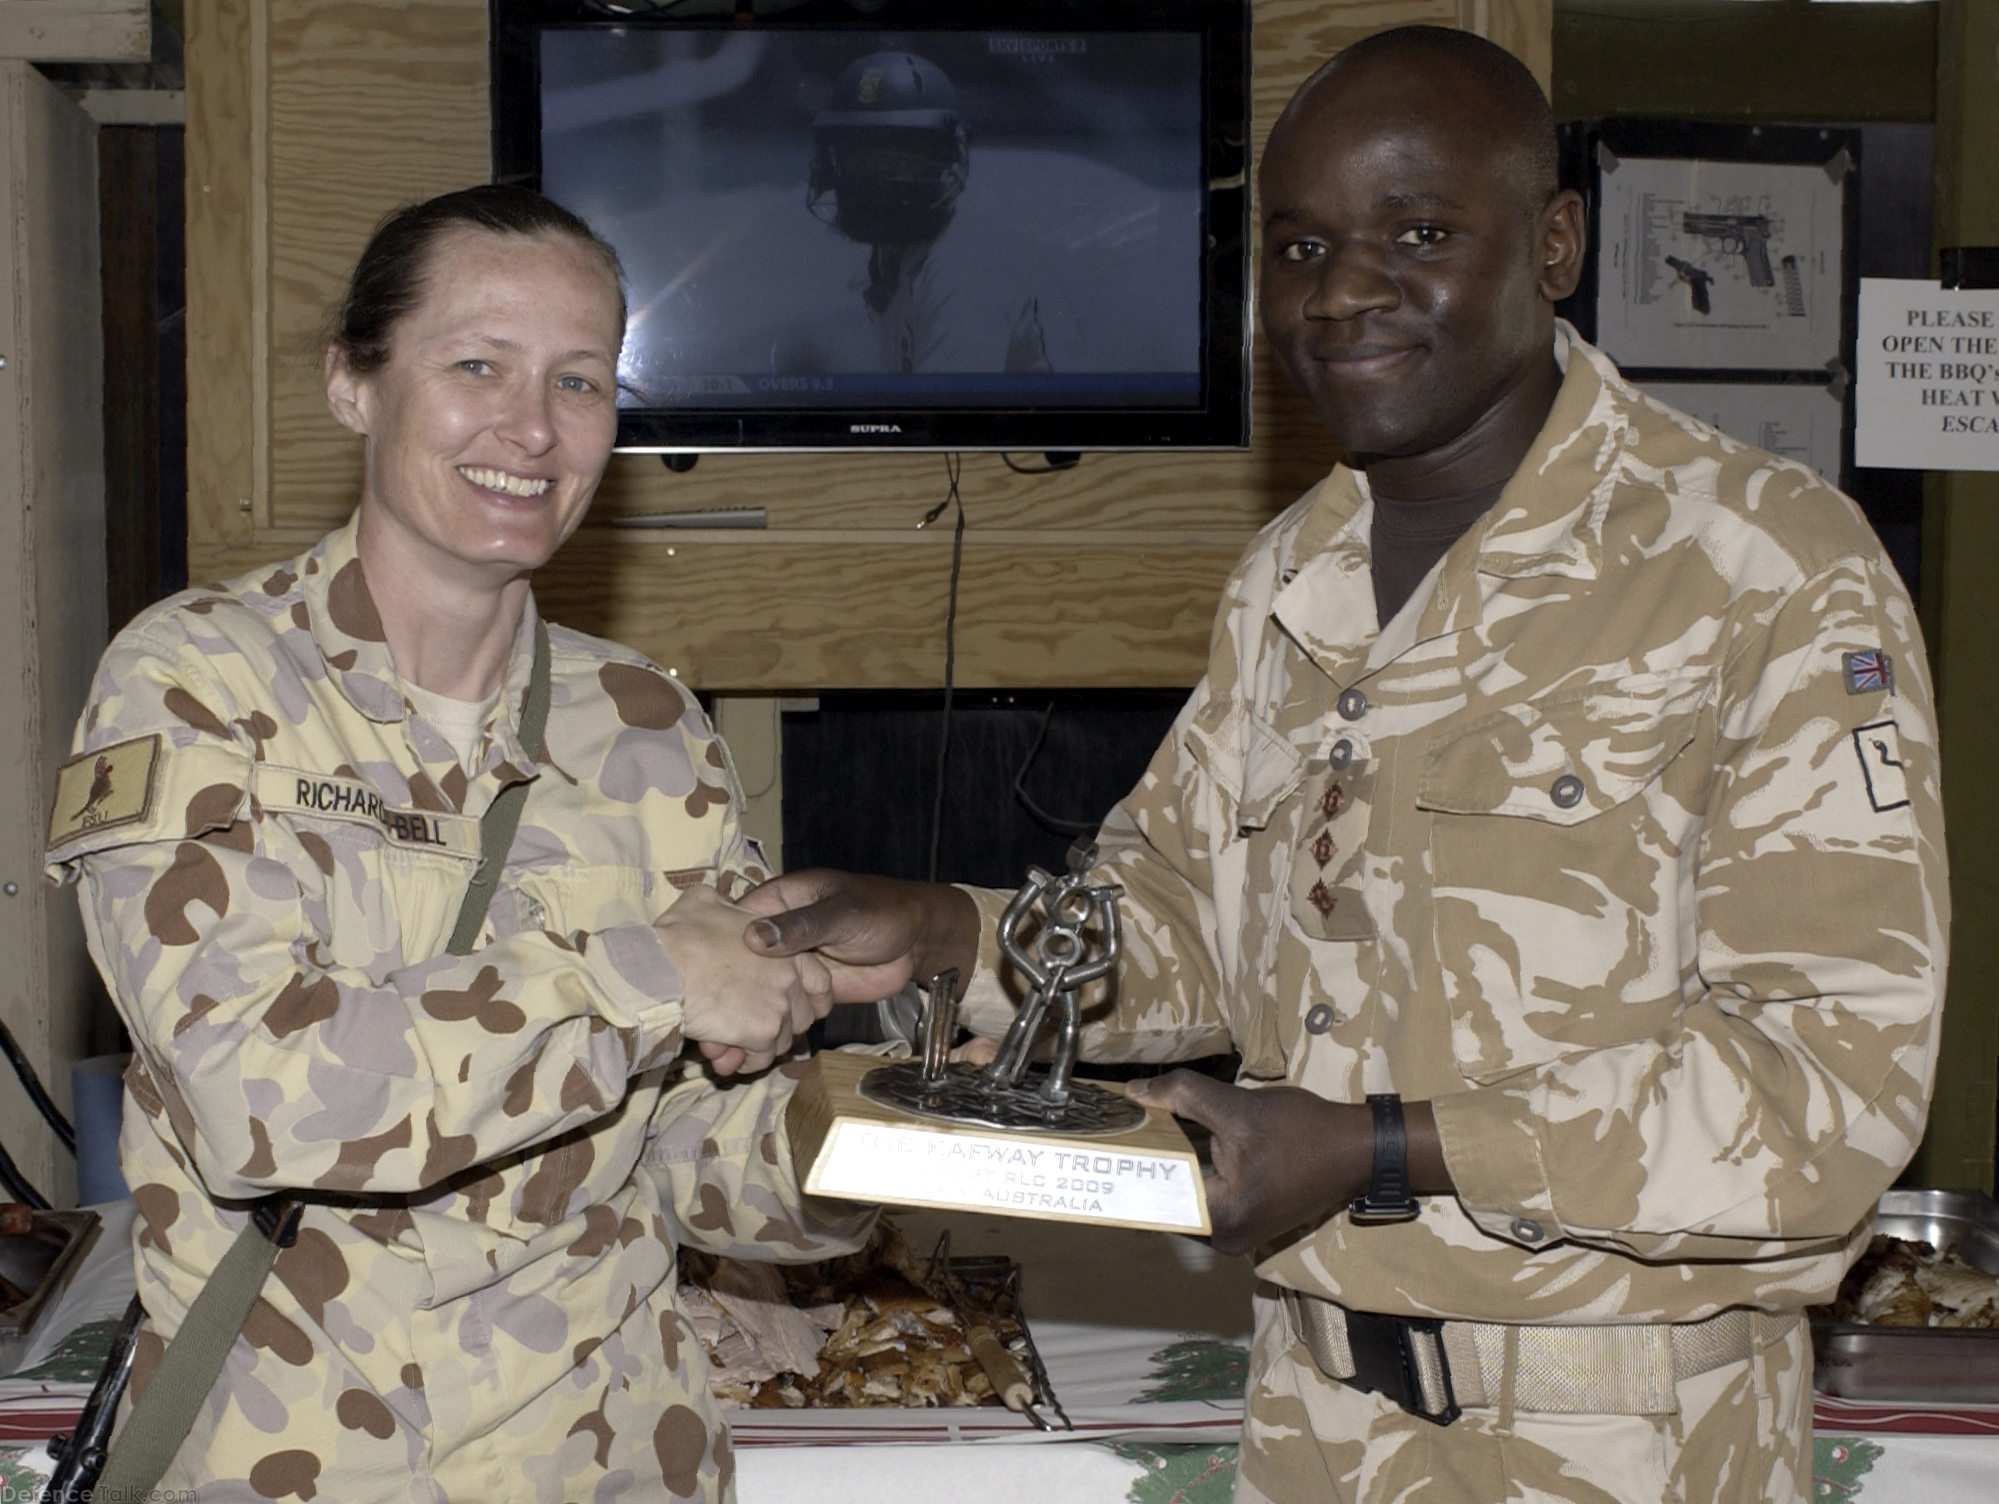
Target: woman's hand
{"points": [[742, 1008]]}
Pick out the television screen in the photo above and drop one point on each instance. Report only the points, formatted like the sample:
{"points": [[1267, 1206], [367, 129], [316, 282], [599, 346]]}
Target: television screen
{"points": [[977, 236]]}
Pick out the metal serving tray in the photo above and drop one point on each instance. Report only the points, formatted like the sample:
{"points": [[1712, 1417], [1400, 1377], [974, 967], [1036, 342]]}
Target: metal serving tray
{"points": [[1924, 1365], [39, 1265]]}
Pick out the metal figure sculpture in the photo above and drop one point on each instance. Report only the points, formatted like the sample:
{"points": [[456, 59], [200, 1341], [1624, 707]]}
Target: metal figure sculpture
{"points": [[1077, 942]]}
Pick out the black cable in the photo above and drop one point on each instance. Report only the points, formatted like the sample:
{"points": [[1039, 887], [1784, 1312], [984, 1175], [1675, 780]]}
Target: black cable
{"points": [[32, 1085], [15, 1181], [952, 467], [1059, 460], [1053, 822]]}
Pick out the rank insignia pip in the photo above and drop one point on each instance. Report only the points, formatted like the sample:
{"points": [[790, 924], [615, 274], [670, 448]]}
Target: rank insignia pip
{"points": [[1871, 672]]}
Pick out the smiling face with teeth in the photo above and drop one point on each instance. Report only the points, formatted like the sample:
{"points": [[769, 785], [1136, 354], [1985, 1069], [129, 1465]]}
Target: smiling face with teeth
{"points": [[489, 425]]}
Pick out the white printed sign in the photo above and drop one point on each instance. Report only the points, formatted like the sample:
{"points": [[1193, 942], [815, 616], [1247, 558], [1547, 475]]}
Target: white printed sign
{"points": [[1060, 1180], [1928, 380]]}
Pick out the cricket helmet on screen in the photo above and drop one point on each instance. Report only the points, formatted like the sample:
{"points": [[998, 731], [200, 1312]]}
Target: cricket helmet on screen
{"points": [[890, 151]]}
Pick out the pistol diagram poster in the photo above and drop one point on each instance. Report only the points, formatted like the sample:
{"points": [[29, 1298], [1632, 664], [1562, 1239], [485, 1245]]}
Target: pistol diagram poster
{"points": [[1720, 265]]}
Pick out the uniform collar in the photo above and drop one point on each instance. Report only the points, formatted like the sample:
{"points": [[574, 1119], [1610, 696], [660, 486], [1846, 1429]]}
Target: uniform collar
{"points": [[347, 629], [1548, 521]]}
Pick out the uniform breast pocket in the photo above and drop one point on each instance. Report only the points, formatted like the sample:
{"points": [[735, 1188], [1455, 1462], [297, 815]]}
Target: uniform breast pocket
{"points": [[380, 903], [577, 896], [1561, 838]]}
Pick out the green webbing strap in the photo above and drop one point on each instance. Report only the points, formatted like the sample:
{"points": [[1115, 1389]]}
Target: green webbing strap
{"points": [[503, 815], [164, 1414]]}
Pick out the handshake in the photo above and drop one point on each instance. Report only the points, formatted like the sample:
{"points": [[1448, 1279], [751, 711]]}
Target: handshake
{"points": [[756, 975]]}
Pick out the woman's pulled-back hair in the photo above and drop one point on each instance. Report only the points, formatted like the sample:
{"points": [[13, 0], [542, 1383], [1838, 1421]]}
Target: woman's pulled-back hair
{"points": [[388, 281]]}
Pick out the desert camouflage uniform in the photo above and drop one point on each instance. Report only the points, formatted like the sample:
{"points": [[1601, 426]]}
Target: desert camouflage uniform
{"points": [[1634, 867], [501, 1151]]}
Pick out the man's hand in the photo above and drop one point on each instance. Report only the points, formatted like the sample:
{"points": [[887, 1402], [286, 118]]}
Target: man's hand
{"points": [[1285, 1157], [1282, 1156], [743, 1009], [884, 930]]}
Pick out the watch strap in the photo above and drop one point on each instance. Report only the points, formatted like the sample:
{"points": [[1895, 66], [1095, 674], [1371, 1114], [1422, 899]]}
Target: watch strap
{"points": [[1387, 1198]]}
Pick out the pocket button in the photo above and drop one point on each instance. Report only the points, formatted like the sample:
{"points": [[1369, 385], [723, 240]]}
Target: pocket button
{"points": [[1567, 791], [1320, 1019]]}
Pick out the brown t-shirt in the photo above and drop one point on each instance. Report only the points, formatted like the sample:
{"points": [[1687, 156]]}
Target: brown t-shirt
{"points": [[1410, 536]]}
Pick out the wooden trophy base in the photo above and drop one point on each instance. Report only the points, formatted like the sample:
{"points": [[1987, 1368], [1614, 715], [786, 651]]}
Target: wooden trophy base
{"points": [[853, 1149]]}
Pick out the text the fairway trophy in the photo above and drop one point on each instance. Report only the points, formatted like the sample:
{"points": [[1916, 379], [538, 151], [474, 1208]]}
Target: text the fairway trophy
{"points": [[1010, 1138]]}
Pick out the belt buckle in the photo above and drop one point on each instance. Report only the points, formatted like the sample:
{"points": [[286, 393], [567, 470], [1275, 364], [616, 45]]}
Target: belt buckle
{"points": [[277, 1218], [1387, 1362]]}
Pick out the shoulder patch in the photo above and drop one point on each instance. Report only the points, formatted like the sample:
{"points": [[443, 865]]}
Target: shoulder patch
{"points": [[1871, 672], [105, 789], [1882, 765]]}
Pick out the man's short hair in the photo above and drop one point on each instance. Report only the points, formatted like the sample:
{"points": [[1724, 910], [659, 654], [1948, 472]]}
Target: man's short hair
{"points": [[1520, 109]]}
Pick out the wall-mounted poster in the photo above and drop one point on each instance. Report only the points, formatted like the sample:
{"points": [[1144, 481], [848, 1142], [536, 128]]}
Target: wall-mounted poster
{"points": [[1720, 265], [1719, 252], [1798, 420]]}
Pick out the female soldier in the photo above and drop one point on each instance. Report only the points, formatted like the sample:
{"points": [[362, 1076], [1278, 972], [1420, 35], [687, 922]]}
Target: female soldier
{"points": [[275, 816]]}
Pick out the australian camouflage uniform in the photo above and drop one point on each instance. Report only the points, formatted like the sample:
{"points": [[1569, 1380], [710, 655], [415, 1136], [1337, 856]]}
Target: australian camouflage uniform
{"points": [[499, 1152]]}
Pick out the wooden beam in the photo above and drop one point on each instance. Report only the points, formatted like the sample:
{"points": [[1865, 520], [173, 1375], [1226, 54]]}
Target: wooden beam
{"points": [[135, 106], [778, 613], [226, 153], [1524, 28], [77, 31]]}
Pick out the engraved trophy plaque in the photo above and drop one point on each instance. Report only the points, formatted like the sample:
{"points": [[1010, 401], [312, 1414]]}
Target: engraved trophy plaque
{"points": [[1010, 1138]]}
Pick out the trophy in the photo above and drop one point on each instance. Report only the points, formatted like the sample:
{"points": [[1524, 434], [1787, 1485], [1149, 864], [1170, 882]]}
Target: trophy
{"points": [[1011, 1138]]}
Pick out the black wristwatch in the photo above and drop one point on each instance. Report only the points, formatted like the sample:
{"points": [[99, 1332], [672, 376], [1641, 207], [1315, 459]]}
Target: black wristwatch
{"points": [[1387, 1198]]}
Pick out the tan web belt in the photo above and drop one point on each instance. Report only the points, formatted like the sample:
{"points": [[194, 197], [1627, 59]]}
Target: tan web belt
{"points": [[1433, 1368]]}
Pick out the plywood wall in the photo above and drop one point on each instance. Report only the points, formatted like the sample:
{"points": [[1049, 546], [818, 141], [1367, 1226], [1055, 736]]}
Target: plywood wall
{"points": [[52, 626], [309, 119]]}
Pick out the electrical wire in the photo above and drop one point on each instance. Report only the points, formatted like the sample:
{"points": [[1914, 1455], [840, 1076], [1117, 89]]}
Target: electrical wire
{"points": [[32, 1085], [952, 468], [1053, 822], [1059, 461], [16, 1182]]}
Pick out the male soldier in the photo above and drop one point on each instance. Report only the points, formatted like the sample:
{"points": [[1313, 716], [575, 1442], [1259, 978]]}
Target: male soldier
{"points": [[1555, 834]]}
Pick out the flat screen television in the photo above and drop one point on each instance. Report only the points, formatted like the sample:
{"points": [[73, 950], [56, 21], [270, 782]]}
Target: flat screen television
{"points": [[902, 224]]}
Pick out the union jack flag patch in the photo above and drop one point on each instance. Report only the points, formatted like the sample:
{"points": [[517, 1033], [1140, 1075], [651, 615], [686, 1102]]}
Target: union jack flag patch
{"points": [[1869, 673]]}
